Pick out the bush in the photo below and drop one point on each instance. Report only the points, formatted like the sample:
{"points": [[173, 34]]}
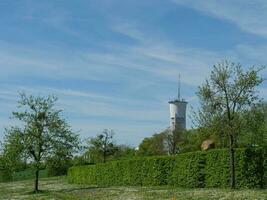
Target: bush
{"points": [[157, 171], [58, 167], [251, 168], [216, 169], [188, 170], [148, 171], [195, 169]]}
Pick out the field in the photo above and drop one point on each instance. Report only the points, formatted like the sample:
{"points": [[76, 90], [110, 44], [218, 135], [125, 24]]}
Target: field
{"points": [[58, 188]]}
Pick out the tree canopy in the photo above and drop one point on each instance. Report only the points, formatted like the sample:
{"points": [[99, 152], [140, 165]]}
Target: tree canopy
{"points": [[42, 132], [224, 97]]}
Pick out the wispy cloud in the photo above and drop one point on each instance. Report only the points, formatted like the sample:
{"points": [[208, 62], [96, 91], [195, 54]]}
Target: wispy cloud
{"points": [[118, 74], [249, 15], [88, 112]]}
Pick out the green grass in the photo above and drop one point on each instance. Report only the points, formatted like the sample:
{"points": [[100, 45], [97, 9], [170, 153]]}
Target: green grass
{"points": [[58, 188]]}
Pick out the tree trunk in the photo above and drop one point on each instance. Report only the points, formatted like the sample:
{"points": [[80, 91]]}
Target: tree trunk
{"points": [[36, 188], [104, 156], [232, 161]]}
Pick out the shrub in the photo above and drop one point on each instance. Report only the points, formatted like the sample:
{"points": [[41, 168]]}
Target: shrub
{"points": [[188, 170], [58, 167], [248, 167], [251, 169], [157, 170], [217, 172], [195, 169]]}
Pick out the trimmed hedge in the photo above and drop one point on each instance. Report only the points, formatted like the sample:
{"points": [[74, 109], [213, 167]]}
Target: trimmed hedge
{"points": [[148, 171], [189, 170]]}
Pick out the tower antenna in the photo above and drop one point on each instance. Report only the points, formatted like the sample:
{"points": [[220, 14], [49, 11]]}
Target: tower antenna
{"points": [[179, 87]]}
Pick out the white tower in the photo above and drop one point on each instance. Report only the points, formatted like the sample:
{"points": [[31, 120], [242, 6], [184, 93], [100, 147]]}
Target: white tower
{"points": [[178, 112]]}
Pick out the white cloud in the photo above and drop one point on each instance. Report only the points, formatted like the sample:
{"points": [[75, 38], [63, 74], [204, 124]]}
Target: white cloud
{"points": [[249, 15]]}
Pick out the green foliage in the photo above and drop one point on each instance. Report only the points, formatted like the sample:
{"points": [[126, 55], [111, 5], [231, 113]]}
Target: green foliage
{"points": [[157, 171], [6, 176], [12, 157], [79, 160], [224, 97], [249, 166], [141, 171], [217, 168], [58, 166], [102, 146], [254, 130], [82, 175], [192, 140], [42, 133], [190, 170], [123, 152], [28, 174], [152, 146]]}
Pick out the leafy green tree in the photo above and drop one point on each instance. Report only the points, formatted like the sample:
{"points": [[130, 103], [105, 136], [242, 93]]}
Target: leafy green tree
{"points": [[102, 146], [58, 164], [42, 133], [228, 92], [191, 140], [123, 152], [153, 145], [81, 160], [254, 131], [13, 161]]}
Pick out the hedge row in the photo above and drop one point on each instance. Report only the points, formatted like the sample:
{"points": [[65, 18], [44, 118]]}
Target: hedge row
{"points": [[194, 169]]}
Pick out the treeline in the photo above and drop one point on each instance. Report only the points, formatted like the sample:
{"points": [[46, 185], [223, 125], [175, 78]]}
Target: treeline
{"points": [[252, 132]]}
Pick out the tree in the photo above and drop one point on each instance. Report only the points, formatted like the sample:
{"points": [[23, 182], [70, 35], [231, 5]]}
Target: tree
{"points": [[58, 164], [42, 133], [228, 92], [153, 145], [254, 132], [173, 139], [102, 145], [13, 161], [123, 152], [192, 140]]}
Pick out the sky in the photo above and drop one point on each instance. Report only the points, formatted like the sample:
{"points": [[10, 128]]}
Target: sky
{"points": [[115, 63]]}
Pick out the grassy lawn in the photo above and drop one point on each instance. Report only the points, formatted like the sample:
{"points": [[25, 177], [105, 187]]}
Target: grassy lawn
{"points": [[58, 188]]}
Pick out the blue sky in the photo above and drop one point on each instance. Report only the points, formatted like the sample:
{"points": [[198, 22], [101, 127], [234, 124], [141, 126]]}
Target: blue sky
{"points": [[115, 63]]}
